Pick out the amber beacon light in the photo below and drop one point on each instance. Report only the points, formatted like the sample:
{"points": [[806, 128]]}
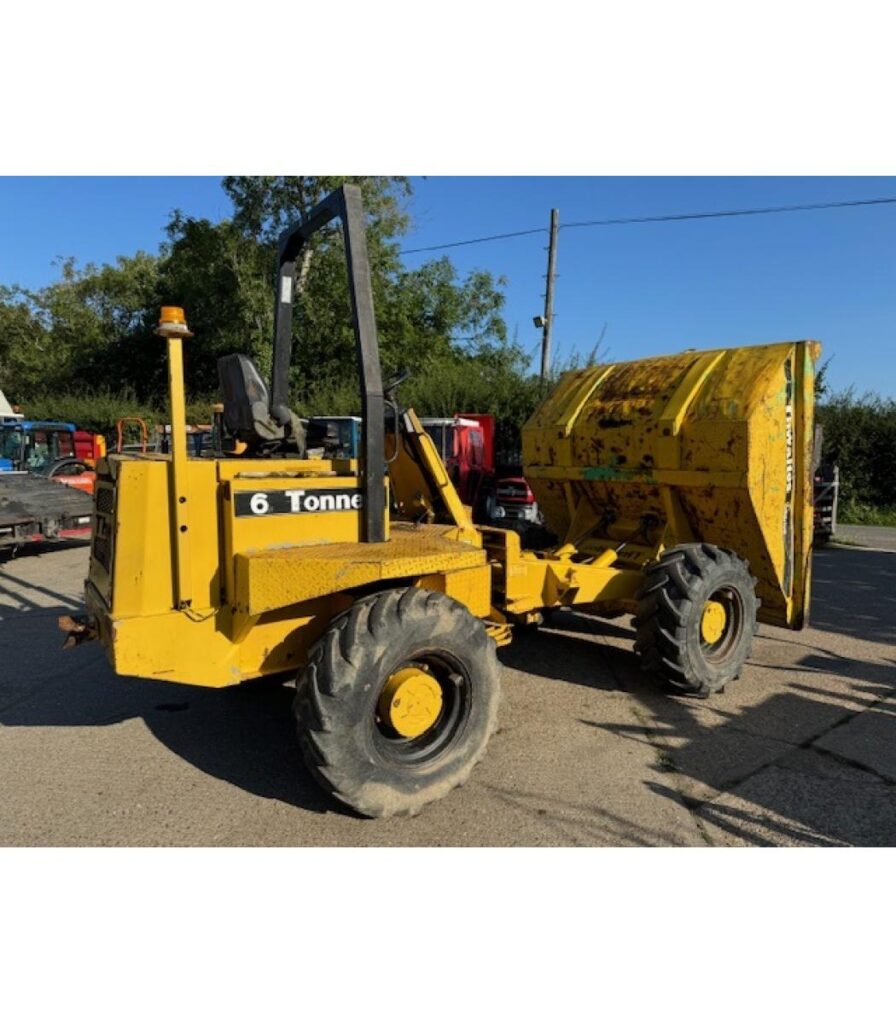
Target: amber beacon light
{"points": [[172, 322]]}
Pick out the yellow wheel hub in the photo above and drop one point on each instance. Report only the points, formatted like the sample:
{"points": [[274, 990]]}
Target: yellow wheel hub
{"points": [[713, 623], [410, 702]]}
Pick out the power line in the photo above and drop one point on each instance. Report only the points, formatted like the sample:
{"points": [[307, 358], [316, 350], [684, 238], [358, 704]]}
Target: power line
{"points": [[658, 219], [727, 213], [474, 241]]}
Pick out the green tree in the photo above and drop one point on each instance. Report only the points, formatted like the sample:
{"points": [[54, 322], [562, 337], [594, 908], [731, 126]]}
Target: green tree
{"points": [[223, 275], [860, 437], [264, 206], [68, 334], [27, 358], [223, 281]]}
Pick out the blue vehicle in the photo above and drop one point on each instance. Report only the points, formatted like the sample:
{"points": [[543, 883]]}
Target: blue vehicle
{"points": [[34, 445], [337, 437]]}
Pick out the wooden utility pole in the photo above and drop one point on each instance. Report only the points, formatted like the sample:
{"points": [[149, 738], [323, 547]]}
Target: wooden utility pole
{"points": [[549, 297]]}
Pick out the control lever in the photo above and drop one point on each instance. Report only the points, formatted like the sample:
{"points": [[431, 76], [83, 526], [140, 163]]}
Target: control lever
{"points": [[389, 390]]}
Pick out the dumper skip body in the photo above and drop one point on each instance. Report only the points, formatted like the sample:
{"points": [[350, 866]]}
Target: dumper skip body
{"points": [[711, 446]]}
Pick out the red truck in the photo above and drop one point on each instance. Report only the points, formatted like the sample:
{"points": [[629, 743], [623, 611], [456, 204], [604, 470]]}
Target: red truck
{"points": [[499, 495], [515, 502], [466, 444]]}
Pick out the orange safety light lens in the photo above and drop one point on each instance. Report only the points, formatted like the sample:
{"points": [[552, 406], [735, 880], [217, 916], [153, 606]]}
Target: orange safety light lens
{"points": [[172, 315]]}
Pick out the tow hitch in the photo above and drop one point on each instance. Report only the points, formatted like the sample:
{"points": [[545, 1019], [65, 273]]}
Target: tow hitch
{"points": [[78, 629]]}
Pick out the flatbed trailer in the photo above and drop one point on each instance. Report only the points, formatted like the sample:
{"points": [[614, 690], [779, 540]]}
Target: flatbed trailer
{"points": [[34, 508]]}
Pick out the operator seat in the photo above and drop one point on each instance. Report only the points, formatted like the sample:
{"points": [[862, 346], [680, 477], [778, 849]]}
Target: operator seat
{"points": [[247, 412]]}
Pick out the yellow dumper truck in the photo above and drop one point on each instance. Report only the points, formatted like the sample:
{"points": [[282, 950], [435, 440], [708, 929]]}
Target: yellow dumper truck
{"points": [[679, 487]]}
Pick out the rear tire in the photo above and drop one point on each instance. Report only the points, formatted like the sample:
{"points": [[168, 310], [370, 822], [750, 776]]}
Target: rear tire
{"points": [[696, 618], [347, 741]]}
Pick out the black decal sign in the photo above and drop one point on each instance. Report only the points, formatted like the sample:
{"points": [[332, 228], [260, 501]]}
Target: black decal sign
{"points": [[296, 501]]}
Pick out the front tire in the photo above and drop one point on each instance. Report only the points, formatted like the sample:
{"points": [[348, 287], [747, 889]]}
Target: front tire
{"points": [[398, 701], [696, 618]]}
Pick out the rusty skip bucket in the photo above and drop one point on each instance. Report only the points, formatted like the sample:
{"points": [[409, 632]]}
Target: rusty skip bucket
{"points": [[712, 446]]}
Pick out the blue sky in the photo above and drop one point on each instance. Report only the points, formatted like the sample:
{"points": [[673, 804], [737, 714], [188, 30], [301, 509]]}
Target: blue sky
{"points": [[829, 275]]}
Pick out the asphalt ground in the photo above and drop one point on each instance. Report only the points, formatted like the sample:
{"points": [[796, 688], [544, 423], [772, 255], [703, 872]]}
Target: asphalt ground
{"points": [[800, 751]]}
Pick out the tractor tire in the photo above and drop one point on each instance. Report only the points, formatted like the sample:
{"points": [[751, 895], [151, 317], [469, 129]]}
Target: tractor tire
{"points": [[696, 618], [358, 747], [67, 467]]}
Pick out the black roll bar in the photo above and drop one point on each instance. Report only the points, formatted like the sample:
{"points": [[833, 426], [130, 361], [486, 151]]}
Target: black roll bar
{"points": [[345, 204]]}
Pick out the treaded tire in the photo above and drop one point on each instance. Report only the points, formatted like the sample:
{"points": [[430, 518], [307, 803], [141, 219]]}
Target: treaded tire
{"points": [[341, 738], [56, 469], [670, 609]]}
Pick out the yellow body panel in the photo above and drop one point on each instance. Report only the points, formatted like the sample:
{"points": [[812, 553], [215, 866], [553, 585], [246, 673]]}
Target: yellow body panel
{"points": [[136, 542], [263, 587], [214, 650], [273, 578], [471, 587]]}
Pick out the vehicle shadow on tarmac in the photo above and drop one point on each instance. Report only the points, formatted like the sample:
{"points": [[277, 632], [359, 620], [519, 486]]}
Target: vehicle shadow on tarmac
{"points": [[810, 763], [571, 650], [244, 735], [753, 776]]}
